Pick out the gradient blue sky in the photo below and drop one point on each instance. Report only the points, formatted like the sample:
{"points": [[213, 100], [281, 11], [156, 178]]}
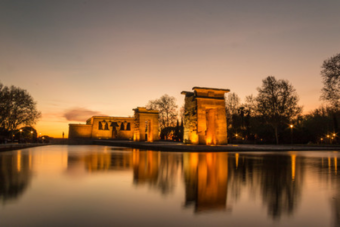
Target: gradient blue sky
{"points": [[107, 57]]}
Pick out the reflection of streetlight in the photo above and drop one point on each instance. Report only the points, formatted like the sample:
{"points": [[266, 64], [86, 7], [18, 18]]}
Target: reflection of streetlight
{"points": [[291, 133]]}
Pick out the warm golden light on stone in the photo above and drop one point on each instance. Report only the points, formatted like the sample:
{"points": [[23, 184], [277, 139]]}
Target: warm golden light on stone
{"points": [[205, 116], [142, 127]]}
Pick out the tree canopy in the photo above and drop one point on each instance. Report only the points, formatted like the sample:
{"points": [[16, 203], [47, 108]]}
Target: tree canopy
{"points": [[277, 102], [167, 107], [331, 81], [17, 107]]}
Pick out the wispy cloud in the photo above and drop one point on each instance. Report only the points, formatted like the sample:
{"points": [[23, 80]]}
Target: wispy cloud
{"points": [[80, 114]]}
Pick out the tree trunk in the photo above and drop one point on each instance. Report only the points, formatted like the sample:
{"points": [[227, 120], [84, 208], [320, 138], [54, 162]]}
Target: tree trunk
{"points": [[276, 135], [335, 124]]}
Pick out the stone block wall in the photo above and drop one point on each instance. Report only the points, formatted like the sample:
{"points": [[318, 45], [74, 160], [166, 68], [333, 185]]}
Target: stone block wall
{"points": [[205, 116]]}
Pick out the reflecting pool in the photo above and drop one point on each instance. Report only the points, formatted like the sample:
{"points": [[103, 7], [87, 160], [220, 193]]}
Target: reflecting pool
{"points": [[112, 186]]}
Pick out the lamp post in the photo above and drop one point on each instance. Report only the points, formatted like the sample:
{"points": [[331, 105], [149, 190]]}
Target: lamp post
{"points": [[31, 136], [20, 135], [291, 133]]}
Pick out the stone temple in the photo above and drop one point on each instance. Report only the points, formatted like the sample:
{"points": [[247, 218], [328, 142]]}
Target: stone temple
{"points": [[142, 127], [205, 119]]}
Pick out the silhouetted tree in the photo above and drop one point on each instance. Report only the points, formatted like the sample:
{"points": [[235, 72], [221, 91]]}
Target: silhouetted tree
{"points": [[17, 107], [277, 102], [331, 80], [232, 108], [232, 103], [166, 105], [331, 85]]}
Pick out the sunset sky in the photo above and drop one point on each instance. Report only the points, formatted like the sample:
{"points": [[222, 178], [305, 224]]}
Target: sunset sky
{"points": [[84, 58]]}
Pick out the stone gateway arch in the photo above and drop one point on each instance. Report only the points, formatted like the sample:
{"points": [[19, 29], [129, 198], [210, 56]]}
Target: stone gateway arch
{"points": [[205, 119]]}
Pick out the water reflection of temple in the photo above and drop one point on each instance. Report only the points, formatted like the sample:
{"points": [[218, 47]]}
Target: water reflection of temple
{"points": [[101, 161], [156, 169], [15, 174], [206, 180]]}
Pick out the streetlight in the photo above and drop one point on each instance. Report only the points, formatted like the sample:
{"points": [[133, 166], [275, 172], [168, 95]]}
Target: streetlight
{"points": [[20, 135], [291, 133], [32, 136]]}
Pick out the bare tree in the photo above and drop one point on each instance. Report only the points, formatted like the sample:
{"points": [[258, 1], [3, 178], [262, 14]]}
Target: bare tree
{"points": [[331, 81], [331, 86], [166, 105], [17, 107], [277, 102], [232, 103]]}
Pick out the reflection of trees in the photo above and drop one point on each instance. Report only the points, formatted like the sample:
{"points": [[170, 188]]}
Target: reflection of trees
{"points": [[281, 182], [15, 174], [336, 208], [168, 172], [241, 169], [328, 173], [336, 203], [206, 180], [277, 178], [145, 167], [157, 169]]}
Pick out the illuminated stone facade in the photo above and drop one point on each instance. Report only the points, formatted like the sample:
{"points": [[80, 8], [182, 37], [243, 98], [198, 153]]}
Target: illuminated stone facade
{"points": [[205, 119], [142, 127]]}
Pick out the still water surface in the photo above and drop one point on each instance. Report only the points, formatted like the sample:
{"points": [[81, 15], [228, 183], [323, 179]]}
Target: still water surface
{"points": [[111, 186]]}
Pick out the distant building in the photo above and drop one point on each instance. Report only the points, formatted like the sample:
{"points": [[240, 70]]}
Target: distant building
{"points": [[205, 119], [142, 127]]}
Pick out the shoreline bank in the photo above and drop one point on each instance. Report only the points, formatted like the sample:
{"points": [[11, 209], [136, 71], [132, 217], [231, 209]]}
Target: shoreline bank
{"points": [[177, 146], [11, 147]]}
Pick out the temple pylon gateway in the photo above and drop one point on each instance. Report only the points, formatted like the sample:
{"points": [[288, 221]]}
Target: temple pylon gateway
{"points": [[205, 119]]}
